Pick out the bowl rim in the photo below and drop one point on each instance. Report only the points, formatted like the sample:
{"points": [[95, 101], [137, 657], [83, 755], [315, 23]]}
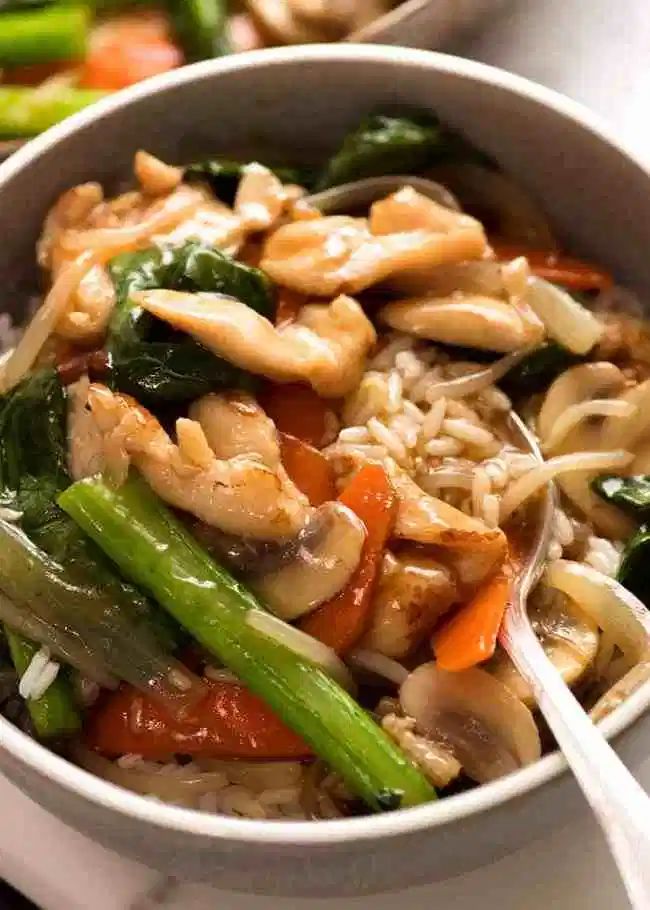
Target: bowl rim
{"points": [[261, 833]]}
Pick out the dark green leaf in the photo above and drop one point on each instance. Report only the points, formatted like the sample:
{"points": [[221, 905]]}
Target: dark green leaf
{"points": [[199, 26], [538, 370], [33, 472], [629, 493], [224, 174], [395, 145], [634, 572], [149, 359]]}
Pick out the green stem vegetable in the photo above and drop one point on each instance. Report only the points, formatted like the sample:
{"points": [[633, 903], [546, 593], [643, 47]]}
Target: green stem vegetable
{"points": [[155, 551], [54, 714], [200, 27], [55, 32], [28, 111]]}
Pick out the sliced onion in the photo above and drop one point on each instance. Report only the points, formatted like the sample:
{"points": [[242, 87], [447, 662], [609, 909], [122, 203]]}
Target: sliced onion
{"points": [[44, 321], [576, 413], [565, 320], [302, 644], [627, 433], [446, 478], [64, 644], [527, 485], [615, 609], [379, 664], [490, 730], [474, 383], [9, 514], [574, 386]]}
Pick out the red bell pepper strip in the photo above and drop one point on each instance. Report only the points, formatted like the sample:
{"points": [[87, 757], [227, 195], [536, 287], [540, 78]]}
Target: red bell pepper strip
{"points": [[229, 722], [574, 274], [297, 410], [341, 622], [310, 471]]}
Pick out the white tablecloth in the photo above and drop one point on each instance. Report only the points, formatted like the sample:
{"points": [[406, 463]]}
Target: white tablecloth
{"points": [[597, 52]]}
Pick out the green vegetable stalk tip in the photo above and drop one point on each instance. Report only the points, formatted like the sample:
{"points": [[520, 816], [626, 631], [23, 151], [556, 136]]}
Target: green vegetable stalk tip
{"points": [[55, 32], [54, 714], [28, 111], [155, 551]]}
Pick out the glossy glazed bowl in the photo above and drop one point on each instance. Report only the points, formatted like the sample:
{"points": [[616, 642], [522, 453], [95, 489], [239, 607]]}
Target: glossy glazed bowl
{"points": [[300, 102]]}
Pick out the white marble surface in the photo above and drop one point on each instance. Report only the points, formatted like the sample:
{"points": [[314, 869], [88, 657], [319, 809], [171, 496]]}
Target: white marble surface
{"points": [[597, 52]]}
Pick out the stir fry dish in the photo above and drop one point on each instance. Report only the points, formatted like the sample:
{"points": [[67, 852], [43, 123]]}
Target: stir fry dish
{"points": [[58, 56], [262, 497]]}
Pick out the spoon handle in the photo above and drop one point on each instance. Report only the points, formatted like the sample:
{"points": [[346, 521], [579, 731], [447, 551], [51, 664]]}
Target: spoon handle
{"points": [[619, 803]]}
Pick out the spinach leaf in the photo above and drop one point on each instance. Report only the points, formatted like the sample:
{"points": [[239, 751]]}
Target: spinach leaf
{"points": [[223, 175], [536, 371], [33, 472], [150, 360], [633, 572], [629, 493], [384, 144]]}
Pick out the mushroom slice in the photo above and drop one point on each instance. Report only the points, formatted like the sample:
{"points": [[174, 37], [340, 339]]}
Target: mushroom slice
{"points": [[326, 345], [240, 495], [490, 731], [319, 568], [471, 320], [570, 639], [339, 254], [234, 424], [470, 547], [414, 590]]}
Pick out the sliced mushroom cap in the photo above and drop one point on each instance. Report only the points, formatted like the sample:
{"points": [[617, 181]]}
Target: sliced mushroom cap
{"points": [[570, 639], [471, 320], [490, 731], [414, 590], [319, 568]]}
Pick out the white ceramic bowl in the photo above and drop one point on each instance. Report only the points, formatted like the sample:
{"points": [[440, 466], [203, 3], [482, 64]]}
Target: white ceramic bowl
{"points": [[301, 101]]}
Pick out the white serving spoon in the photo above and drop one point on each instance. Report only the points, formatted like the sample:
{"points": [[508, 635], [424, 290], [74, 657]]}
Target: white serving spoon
{"points": [[620, 804]]}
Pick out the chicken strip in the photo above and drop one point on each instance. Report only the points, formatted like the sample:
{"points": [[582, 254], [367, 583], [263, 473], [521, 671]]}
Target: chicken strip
{"points": [[339, 254], [326, 346], [414, 590], [239, 495], [472, 320]]}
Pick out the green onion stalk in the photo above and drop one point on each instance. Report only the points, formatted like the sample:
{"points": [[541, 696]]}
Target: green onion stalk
{"points": [[153, 549]]}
